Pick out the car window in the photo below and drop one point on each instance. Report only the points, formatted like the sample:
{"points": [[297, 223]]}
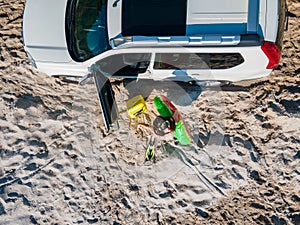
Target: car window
{"points": [[185, 61], [127, 64], [87, 36]]}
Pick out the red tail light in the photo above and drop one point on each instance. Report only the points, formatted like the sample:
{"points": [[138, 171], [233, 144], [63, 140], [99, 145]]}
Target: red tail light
{"points": [[273, 54]]}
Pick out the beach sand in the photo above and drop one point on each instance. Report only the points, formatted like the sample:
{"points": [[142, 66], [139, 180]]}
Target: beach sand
{"points": [[59, 166]]}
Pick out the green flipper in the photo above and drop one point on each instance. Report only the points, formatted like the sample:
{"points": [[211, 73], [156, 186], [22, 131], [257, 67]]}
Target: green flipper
{"points": [[181, 133], [162, 108]]}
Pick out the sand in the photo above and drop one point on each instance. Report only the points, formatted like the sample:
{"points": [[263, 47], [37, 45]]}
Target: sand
{"points": [[59, 165]]}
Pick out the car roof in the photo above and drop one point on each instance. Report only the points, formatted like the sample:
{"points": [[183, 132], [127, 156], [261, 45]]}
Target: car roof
{"points": [[178, 17]]}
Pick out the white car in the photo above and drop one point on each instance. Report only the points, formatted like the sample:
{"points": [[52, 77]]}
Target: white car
{"points": [[184, 40]]}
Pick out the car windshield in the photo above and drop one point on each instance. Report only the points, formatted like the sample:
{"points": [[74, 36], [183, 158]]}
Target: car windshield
{"points": [[87, 28]]}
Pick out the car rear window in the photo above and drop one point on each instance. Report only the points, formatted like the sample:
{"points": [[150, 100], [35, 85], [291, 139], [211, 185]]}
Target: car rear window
{"points": [[154, 17], [197, 60]]}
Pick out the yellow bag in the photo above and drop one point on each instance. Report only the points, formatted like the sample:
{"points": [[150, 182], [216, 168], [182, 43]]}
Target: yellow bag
{"points": [[136, 106]]}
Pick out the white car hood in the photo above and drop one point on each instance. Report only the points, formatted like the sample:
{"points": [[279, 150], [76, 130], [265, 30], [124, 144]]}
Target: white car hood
{"points": [[44, 30]]}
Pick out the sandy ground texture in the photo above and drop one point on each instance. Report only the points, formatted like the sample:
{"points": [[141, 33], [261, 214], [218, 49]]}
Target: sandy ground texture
{"points": [[59, 166]]}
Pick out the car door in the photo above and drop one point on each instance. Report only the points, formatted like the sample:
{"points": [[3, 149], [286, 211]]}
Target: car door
{"points": [[188, 66]]}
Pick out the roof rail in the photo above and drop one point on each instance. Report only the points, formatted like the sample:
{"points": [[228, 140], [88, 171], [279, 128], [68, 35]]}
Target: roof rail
{"points": [[253, 15]]}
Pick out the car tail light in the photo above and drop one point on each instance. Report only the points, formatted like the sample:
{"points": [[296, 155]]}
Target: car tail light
{"points": [[273, 54]]}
